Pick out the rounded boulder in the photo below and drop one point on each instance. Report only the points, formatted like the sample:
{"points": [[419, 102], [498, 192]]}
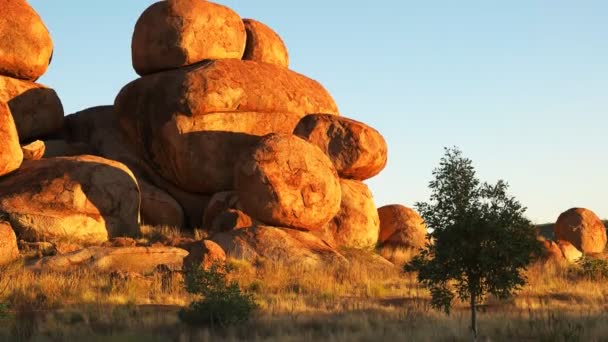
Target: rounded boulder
{"points": [[285, 181], [357, 150], [401, 226], [583, 229], [357, 224], [264, 44], [26, 46], [82, 199], [11, 154], [176, 33]]}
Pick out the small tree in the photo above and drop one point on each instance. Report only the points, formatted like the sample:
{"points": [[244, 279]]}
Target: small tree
{"points": [[480, 240]]}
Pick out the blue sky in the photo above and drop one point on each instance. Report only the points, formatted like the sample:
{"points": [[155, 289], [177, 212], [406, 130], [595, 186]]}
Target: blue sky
{"points": [[520, 86]]}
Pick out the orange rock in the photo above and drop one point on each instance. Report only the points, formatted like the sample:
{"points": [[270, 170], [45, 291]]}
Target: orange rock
{"points": [[81, 199], [158, 208], [176, 33], [288, 182], [230, 219], [264, 44], [287, 246], [571, 253], [552, 250], [26, 47], [34, 150], [204, 254], [357, 150], [357, 225], [401, 226], [36, 109], [8, 244], [191, 124], [583, 229], [11, 155]]}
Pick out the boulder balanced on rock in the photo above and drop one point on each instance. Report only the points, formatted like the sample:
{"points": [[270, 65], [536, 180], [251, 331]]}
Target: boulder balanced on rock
{"points": [[357, 150], [264, 45], [26, 46], [176, 33]]}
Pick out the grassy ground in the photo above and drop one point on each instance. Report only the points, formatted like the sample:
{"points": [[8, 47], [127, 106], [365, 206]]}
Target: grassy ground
{"points": [[366, 301]]}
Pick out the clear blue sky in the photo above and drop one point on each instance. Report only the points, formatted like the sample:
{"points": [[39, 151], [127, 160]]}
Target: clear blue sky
{"points": [[520, 86]]}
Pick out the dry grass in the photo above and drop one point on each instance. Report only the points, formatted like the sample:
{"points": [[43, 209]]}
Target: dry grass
{"points": [[363, 302]]}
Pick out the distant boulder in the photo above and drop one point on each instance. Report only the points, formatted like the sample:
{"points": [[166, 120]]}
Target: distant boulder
{"points": [[583, 229], [203, 254], [34, 150], [177, 33], [287, 182], [401, 226], [26, 46], [357, 150], [264, 44], [569, 251]]}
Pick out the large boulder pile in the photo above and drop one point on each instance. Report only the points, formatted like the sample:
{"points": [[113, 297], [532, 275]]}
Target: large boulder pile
{"points": [[217, 133]]}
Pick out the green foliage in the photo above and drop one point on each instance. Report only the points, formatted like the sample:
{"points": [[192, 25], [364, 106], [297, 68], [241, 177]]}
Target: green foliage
{"points": [[222, 304], [590, 268], [482, 242]]}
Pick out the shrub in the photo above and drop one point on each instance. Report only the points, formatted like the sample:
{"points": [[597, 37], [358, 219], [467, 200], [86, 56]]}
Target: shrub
{"points": [[222, 304], [590, 268]]}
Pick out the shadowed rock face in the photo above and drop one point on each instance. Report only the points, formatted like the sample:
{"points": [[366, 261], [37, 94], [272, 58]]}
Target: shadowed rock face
{"points": [[191, 124], [583, 229], [291, 247], [177, 33], [37, 110], [401, 226], [26, 46], [11, 155], [287, 182], [357, 224], [264, 44], [81, 199], [357, 150]]}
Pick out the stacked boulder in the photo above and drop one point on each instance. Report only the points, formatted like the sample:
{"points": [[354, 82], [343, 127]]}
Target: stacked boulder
{"points": [[217, 133], [82, 199]]}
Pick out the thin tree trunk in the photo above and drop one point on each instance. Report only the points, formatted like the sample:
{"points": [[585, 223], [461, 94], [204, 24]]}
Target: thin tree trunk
{"points": [[474, 316]]}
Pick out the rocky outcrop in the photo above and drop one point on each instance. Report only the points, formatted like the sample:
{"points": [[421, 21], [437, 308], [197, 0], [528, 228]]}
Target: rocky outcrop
{"points": [[287, 246], [401, 226], [8, 244], [583, 229], [288, 182], [26, 46], [264, 44], [569, 251], [357, 224], [11, 155], [37, 110], [191, 124], [357, 150], [176, 33], [109, 259], [81, 199]]}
